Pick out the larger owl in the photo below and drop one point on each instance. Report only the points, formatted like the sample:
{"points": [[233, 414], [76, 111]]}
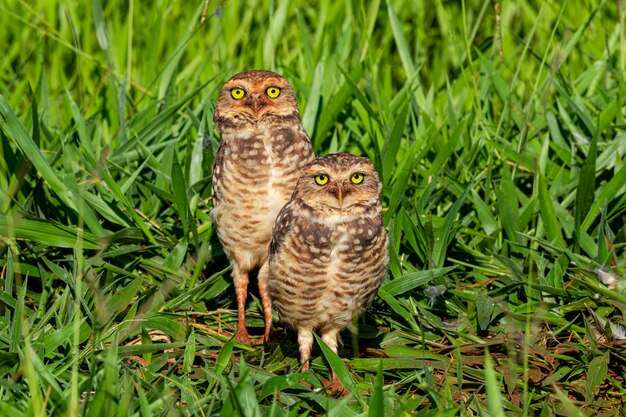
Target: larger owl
{"points": [[262, 152], [328, 254]]}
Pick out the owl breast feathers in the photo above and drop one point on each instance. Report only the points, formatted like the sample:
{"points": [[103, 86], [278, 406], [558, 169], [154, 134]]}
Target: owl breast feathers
{"points": [[328, 254]]}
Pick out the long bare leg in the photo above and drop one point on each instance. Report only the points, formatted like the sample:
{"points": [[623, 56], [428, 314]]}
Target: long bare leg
{"points": [[305, 340], [330, 338], [240, 280], [265, 300]]}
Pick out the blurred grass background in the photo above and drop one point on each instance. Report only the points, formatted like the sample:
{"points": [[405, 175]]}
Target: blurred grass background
{"points": [[497, 128]]}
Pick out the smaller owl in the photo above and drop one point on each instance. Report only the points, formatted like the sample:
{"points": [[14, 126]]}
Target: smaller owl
{"points": [[328, 254]]}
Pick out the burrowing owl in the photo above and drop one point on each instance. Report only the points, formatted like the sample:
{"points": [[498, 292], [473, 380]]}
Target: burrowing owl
{"points": [[262, 152], [328, 254]]}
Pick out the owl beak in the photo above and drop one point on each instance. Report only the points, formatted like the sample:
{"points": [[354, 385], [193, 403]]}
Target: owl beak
{"points": [[256, 102], [340, 193]]}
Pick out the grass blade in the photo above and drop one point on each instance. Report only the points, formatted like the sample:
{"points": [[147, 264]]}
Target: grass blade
{"points": [[337, 365], [442, 240], [585, 192], [376, 405], [493, 388]]}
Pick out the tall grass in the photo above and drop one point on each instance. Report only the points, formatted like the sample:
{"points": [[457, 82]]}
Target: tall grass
{"points": [[498, 130]]}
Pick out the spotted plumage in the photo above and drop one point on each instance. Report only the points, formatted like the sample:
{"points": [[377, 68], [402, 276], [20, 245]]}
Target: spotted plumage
{"points": [[328, 254], [262, 152]]}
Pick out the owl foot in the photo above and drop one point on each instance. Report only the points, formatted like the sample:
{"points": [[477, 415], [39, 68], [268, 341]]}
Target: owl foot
{"points": [[242, 335], [335, 387], [305, 367]]}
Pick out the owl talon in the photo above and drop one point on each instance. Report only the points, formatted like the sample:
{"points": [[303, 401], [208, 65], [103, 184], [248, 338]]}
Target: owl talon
{"points": [[268, 336]]}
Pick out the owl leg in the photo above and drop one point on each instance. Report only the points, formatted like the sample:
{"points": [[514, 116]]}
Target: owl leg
{"points": [[265, 300], [305, 340], [330, 338], [240, 280]]}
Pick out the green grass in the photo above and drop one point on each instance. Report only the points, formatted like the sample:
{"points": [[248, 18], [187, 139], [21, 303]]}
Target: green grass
{"points": [[499, 133]]}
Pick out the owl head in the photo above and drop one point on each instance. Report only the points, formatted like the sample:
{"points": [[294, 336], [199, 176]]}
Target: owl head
{"points": [[256, 96], [339, 183]]}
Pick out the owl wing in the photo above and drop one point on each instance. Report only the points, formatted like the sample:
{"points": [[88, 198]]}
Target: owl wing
{"points": [[282, 227], [216, 169]]}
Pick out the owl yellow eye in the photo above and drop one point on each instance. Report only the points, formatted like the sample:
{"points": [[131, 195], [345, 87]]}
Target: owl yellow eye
{"points": [[272, 92], [357, 178], [237, 93], [321, 179]]}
